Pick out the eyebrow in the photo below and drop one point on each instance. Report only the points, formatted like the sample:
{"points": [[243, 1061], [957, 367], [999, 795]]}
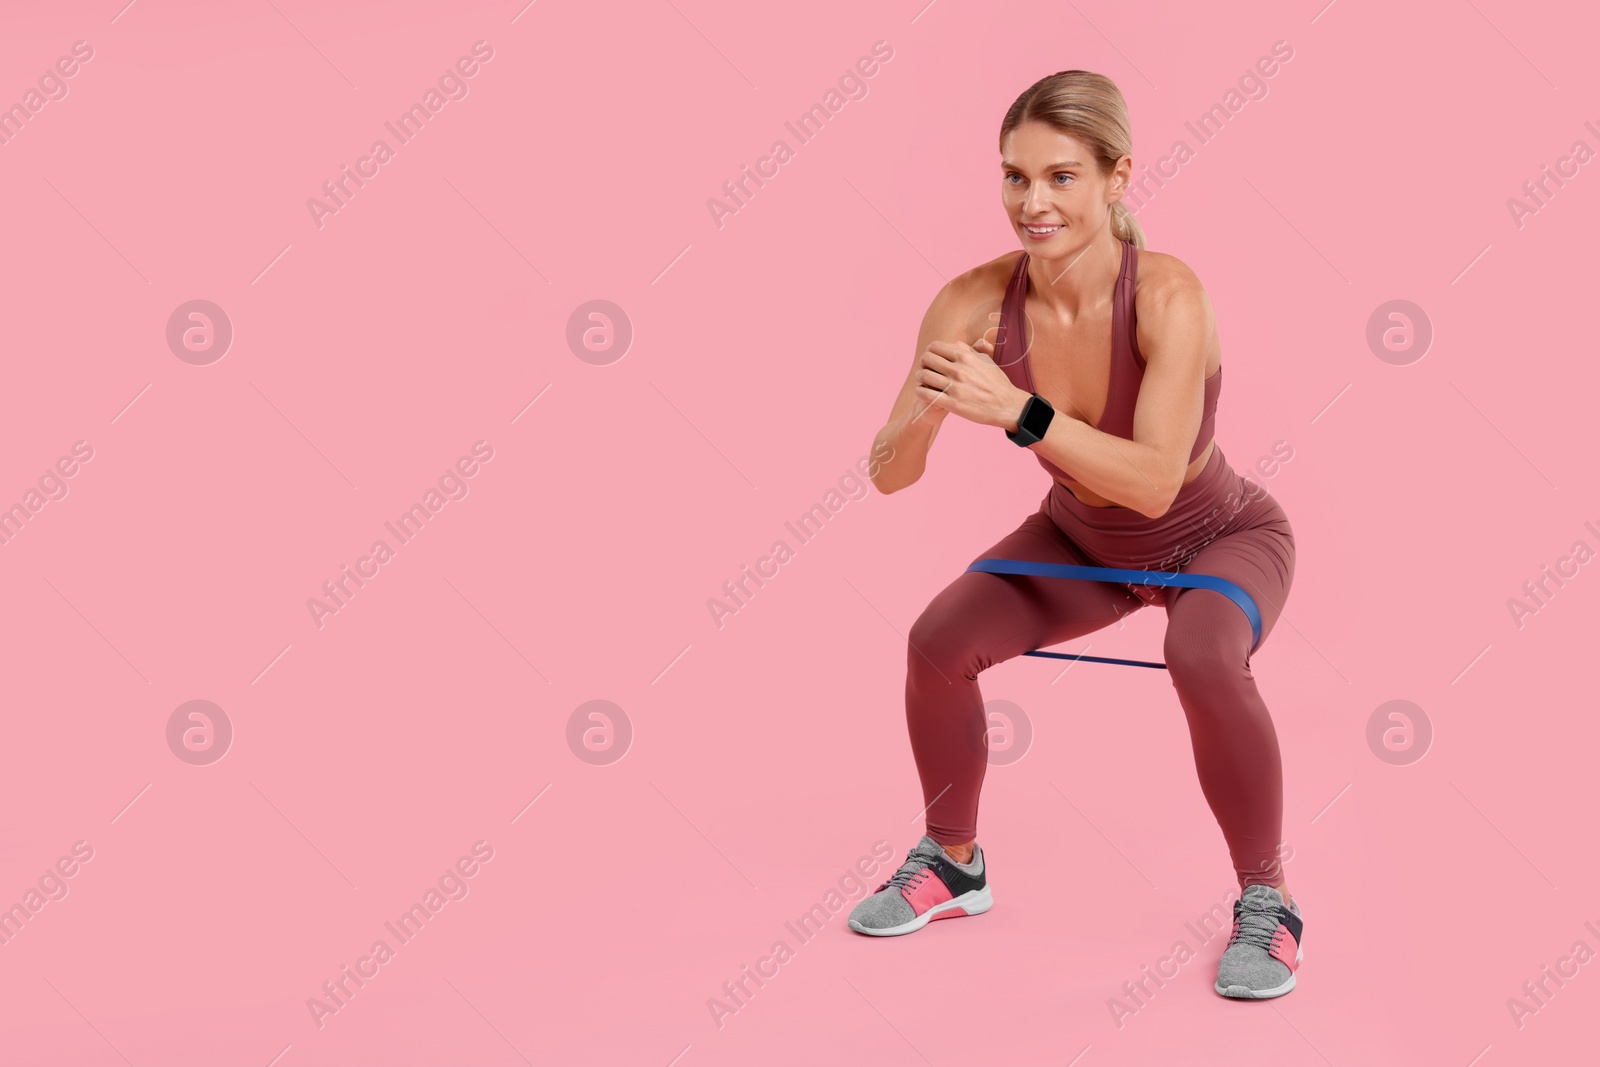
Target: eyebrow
{"points": [[1053, 166]]}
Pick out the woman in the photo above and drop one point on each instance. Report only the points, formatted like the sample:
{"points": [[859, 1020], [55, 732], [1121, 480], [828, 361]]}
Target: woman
{"points": [[1106, 364]]}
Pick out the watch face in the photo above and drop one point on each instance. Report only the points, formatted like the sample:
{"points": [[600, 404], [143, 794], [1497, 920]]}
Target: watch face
{"points": [[1037, 416]]}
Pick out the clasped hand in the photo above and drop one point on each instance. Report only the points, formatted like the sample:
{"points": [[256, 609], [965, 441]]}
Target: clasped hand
{"points": [[961, 378]]}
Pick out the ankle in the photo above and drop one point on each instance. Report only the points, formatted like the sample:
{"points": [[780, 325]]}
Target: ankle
{"points": [[959, 853], [1283, 890]]}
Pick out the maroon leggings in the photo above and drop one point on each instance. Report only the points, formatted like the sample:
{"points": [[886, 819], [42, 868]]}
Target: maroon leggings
{"points": [[1220, 525]]}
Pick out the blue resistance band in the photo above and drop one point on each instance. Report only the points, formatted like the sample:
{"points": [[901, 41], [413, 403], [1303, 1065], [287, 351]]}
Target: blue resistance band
{"points": [[1127, 577]]}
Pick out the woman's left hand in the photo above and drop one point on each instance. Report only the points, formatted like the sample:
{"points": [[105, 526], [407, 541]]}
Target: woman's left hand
{"points": [[966, 380]]}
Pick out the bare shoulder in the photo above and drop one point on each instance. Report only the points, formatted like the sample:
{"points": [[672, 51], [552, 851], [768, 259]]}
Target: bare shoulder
{"points": [[968, 305], [1163, 277], [1174, 313]]}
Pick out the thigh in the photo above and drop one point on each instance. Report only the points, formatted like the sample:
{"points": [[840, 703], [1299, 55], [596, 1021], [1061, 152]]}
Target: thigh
{"points": [[1258, 559], [1004, 615]]}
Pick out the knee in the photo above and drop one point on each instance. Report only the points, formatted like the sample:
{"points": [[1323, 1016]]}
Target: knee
{"points": [[939, 640], [1204, 656]]}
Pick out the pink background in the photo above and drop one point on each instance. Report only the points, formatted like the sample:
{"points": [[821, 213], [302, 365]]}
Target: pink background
{"points": [[768, 756]]}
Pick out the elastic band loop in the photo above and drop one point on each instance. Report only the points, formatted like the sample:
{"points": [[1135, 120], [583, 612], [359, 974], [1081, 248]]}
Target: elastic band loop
{"points": [[1129, 577]]}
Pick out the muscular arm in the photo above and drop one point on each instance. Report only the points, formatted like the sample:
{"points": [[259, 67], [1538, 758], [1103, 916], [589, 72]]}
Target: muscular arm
{"points": [[913, 425], [1175, 325]]}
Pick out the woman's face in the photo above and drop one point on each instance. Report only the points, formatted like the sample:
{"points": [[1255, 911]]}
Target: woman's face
{"points": [[1053, 191]]}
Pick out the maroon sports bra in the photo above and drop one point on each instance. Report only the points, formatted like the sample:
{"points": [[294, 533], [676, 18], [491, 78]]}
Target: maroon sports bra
{"points": [[1127, 365]]}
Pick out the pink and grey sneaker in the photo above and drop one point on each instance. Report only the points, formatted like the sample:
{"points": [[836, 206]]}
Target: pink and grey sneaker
{"points": [[929, 885], [1264, 951]]}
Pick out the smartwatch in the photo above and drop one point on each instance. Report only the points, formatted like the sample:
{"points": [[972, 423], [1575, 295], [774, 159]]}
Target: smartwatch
{"points": [[1035, 419]]}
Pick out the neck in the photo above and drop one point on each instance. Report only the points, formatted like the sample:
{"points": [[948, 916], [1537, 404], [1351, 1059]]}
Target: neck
{"points": [[1080, 278]]}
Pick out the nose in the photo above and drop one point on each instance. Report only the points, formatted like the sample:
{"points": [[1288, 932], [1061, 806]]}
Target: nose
{"points": [[1036, 200]]}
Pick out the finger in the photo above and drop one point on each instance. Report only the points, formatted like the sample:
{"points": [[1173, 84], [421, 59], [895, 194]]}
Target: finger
{"points": [[953, 350], [937, 362]]}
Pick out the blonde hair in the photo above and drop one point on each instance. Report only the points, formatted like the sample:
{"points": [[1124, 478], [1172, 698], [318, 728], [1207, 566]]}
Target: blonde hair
{"points": [[1087, 107]]}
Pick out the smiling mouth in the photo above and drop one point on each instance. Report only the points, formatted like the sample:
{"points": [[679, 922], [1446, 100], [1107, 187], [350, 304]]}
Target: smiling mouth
{"points": [[1040, 230]]}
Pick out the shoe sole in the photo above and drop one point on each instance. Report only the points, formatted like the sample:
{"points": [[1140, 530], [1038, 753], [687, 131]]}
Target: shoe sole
{"points": [[973, 902], [1244, 992]]}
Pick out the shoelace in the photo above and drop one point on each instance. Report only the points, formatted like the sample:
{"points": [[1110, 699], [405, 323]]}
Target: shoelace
{"points": [[1256, 924], [908, 870]]}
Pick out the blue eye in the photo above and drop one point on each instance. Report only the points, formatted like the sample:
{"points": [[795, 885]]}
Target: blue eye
{"points": [[1067, 176]]}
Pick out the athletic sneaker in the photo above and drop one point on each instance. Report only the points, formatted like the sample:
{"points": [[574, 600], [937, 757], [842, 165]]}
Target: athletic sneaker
{"points": [[1264, 951], [929, 885]]}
